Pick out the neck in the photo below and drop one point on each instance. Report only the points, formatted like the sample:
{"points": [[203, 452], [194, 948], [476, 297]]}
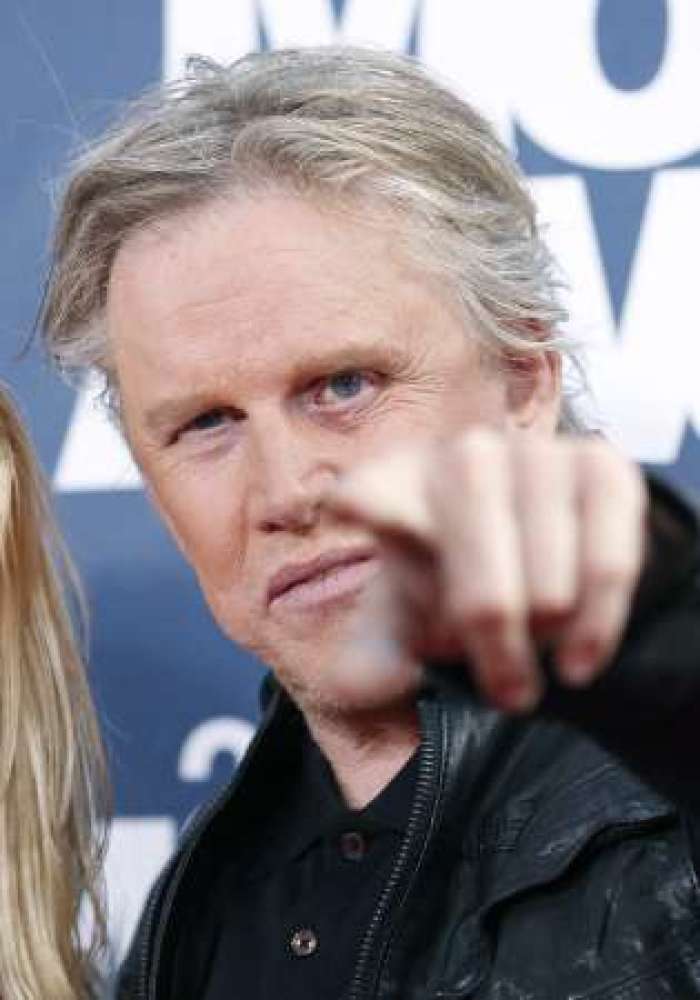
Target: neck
{"points": [[367, 750]]}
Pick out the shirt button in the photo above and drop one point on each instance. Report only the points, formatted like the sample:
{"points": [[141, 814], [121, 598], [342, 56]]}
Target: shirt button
{"points": [[303, 942], [353, 846]]}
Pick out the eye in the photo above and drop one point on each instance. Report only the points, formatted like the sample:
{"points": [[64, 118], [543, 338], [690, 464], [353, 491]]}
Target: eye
{"points": [[209, 420], [343, 387]]}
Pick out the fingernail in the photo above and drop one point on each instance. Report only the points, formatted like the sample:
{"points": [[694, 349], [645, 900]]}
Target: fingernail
{"points": [[519, 695], [576, 672]]}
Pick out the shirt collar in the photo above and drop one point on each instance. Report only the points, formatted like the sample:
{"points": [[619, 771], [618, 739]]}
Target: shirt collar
{"points": [[319, 811]]}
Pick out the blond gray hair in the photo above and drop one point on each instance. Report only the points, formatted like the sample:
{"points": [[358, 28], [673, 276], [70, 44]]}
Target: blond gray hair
{"points": [[53, 797], [336, 122]]}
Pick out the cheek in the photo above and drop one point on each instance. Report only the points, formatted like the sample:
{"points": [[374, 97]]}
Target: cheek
{"points": [[205, 521], [210, 536]]}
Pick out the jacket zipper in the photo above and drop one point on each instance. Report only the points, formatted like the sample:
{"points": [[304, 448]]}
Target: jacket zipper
{"points": [[149, 957], [371, 954]]}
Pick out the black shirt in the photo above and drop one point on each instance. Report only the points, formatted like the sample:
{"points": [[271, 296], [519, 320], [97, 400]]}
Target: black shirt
{"points": [[290, 921]]}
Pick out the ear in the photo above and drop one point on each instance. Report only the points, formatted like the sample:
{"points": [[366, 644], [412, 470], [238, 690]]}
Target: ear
{"points": [[533, 390]]}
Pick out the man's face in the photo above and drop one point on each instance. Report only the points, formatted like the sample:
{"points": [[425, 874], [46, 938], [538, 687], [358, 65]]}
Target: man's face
{"points": [[264, 347]]}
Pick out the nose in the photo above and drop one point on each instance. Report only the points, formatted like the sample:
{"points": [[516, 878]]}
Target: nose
{"points": [[290, 476]]}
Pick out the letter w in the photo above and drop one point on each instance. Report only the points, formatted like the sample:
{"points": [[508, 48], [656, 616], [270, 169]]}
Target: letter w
{"points": [[645, 377]]}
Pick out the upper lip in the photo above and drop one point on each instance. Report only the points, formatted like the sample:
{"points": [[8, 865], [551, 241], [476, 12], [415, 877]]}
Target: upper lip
{"points": [[295, 573]]}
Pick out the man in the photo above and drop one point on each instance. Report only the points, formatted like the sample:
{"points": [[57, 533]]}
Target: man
{"points": [[314, 286]]}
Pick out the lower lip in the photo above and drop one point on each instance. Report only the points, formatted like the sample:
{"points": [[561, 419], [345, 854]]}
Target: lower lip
{"points": [[335, 586]]}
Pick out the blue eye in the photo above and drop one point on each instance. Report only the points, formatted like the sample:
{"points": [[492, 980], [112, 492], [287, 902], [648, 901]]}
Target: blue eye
{"points": [[207, 421], [347, 384]]}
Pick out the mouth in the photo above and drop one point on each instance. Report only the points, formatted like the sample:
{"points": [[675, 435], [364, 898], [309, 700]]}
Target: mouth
{"points": [[330, 577]]}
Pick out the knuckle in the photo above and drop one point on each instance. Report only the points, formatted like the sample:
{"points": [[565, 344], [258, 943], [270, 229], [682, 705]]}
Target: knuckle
{"points": [[553, 607], [477, 445], [601, 463], [598, 461], [487, 616], [609, 576], [595, 449], [629, 481], [537, 451], [542, 475]]}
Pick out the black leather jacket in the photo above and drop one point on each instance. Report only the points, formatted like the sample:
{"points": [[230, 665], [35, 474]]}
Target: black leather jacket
{"points": [[535, 864]]}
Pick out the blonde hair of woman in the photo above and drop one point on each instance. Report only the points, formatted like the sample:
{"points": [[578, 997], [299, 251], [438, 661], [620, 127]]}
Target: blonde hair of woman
{"points": [[53, 803]]}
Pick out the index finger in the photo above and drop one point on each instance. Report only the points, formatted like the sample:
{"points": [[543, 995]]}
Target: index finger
{"points": [[388, 496]]}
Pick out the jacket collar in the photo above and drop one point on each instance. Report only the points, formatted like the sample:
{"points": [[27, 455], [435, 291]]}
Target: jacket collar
{"points": [[517, 785]]}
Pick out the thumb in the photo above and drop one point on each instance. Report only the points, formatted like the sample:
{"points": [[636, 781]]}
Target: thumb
{"points": [[374, 665]]}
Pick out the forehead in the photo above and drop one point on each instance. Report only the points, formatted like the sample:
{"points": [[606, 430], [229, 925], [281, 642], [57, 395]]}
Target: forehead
{"points": [[252, 281], [229, 244]]}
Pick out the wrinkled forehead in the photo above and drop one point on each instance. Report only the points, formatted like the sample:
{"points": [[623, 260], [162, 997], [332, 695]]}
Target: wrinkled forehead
{"points": [[263, 261]]}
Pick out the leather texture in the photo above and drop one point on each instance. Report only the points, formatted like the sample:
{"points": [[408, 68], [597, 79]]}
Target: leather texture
{"points": [[545, 860]]}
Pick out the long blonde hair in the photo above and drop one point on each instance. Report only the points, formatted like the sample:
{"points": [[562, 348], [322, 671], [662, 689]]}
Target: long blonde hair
{"points": [[53, 800]]}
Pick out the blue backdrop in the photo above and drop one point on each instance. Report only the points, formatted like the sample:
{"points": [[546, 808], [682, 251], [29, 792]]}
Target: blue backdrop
{"points": [[599, 101]]}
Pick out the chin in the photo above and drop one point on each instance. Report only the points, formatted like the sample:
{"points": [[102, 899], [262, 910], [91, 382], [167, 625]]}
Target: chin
{"points": [[343, 696]]}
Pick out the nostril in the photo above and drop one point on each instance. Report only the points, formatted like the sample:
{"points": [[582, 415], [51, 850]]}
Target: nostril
{"points": [[294, 514]]}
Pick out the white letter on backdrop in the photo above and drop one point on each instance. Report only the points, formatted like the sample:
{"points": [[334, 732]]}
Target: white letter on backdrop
{"points": [[564, 102], [310, 22], [220, 29], [215, 736], [644, 376], [469, 45]]}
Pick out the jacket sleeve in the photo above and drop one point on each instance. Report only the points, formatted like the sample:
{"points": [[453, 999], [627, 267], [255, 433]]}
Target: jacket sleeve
{"points": [[645, 708]]}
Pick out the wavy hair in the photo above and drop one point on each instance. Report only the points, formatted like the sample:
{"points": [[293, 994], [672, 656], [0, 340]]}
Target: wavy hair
{"points": [[330, 122], [53, 798]]}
